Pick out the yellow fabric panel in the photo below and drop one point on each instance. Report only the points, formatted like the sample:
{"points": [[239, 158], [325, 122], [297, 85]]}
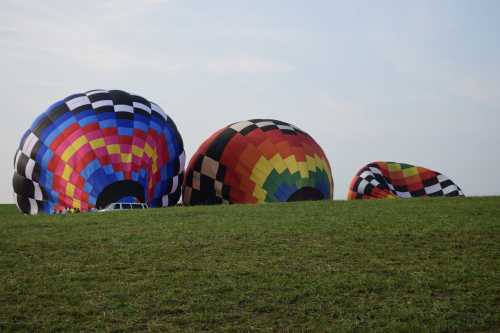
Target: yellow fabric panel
{"points": [[67, 172], [311, 163], [113, 149], [149, 151], [73, 148], [410, 172], [78, 143], [291, 163], [393, 166], [278, 163], [137, 151], [126, 158], [261, 171], [70, 190], [97, 143], [320, 163], [304, 173], [259, 193], [77, 203], [66, 155]]}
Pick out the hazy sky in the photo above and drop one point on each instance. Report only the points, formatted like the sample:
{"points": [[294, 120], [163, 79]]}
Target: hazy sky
{"points": [[406, 81]]}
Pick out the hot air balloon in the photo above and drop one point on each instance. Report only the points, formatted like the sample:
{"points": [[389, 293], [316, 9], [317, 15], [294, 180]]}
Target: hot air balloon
{"points": [[379, 180], [94, 148], [258, 160]]}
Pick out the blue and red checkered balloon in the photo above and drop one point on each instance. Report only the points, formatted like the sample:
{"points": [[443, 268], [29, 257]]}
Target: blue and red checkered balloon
{"points": [[90, 149]]}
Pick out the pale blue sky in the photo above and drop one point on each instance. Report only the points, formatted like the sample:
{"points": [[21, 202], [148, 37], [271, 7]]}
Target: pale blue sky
{"points": [[407, 81]]}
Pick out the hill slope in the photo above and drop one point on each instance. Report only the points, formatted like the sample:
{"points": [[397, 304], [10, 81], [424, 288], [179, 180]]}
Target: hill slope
{"points": [[393, 265]]}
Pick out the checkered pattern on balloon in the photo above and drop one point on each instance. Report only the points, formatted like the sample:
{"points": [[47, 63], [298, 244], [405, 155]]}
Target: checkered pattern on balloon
{"points": [[86, 142], [379, 180], [259, 160]]}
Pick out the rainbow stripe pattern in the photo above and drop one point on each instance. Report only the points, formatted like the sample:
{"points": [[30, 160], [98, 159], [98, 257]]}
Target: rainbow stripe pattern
{"points": [[255, 161]]}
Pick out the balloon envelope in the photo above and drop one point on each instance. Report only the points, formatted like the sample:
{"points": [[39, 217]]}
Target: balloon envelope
{"points": [[258, 160], [379, 180], [90, 149]]}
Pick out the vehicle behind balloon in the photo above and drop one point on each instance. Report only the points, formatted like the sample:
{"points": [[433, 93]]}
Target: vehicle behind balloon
{"points": [[124, 206]]}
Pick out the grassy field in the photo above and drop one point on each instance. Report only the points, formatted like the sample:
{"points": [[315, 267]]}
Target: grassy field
{"points": [[420, 265]]}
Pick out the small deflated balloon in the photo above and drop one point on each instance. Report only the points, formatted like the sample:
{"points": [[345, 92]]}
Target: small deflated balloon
{"points": [[258, 160], [380, 180], [95, 148]]}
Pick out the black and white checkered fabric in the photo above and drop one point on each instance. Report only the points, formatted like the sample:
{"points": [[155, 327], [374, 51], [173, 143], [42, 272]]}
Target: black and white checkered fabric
{"points": [[371, 177], [441, 186], [174, 186], [207, 176], [112, 100], [29, 195], [245, 127]]}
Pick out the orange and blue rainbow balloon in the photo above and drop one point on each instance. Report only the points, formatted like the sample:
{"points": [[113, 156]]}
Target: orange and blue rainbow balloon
{"points": [[258, 160]]}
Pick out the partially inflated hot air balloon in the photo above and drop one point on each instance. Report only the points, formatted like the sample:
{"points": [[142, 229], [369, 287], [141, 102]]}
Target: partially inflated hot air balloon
{"points": [[399, 180], [95, 148], [259, 160]]}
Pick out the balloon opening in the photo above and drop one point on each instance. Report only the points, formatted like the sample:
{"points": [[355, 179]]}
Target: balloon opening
{"points": [[306, 193], [119, 192], [129, 199]]}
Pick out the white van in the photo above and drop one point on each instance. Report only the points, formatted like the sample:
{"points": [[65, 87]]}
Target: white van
{"points": [[124, 206]]}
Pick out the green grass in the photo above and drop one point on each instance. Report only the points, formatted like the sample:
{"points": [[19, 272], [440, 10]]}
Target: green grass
{"points": [[420, 265]]}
